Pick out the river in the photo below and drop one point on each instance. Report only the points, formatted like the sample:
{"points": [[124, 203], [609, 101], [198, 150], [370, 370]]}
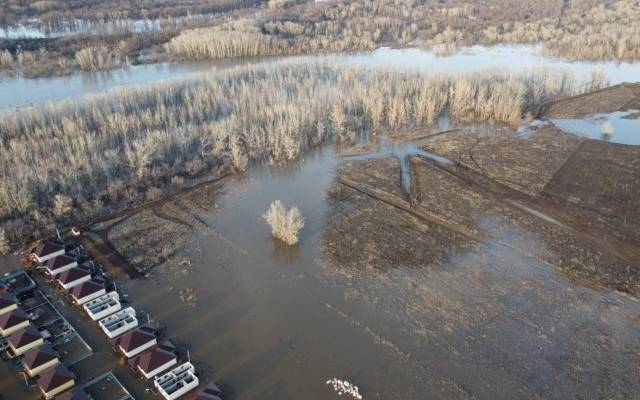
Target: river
{"points": [[20, 92]]}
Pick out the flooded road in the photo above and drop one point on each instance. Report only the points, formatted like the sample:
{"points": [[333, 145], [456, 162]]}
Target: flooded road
{"points": [[20, 92]]}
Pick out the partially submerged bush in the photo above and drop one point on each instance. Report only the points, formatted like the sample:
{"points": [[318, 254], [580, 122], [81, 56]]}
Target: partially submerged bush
{"points": [[285, 225]]}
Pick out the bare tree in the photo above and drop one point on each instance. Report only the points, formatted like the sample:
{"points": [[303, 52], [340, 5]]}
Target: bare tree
{"points": [[285, 225]]}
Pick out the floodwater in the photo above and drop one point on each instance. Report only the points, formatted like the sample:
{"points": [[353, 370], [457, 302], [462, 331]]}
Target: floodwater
{"points": [[25, 92], [36, 29], [268, 321], [402, 151], [617, 127], [273, 322], [20, 92]]}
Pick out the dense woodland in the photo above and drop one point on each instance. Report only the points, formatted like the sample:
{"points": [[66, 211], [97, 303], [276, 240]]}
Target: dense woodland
{"points": [[71, 161]]}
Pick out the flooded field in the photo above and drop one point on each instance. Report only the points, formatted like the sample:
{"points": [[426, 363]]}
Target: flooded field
{"points": [[508, 58], [424, 270]]}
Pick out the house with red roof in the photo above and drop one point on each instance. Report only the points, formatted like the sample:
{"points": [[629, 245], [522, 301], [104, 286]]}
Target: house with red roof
{"points": [[13, 321], [46, 250], [73, 277], [154, 361], [25, 340], [136, 341], [7, 303], [40, 359], [56, 380], [77, 393], [211, 392], [87, 291], [60, 264]]}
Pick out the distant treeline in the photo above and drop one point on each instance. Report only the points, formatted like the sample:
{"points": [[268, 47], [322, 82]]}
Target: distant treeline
{"points": [[580, 29], [577, 30]]}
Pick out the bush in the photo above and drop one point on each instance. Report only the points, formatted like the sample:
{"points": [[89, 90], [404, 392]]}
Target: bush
{"points": [[4, 243], [285, 225]]}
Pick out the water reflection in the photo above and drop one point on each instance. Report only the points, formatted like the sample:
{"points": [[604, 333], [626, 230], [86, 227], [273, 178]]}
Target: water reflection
{"points": [[617, 127]]}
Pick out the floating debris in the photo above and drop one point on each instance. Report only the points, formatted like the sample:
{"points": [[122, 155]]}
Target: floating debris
{"points": [[345, 387]]}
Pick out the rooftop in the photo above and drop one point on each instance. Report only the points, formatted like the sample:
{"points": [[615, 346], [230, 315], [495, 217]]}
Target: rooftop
{"points": [[152, 359], [72, 274], [37, 357], [6, 300], [24, 336], [47, 247], [86, 289], [12, 318], [212, 392], [78, 393], [55, 377], [134, 339], [59, 262]]}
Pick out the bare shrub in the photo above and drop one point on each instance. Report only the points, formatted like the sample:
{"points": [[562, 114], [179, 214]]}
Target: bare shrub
{"points": [[153, 194], [61, 205], [6, 59], [4, 243], [607, 128], [94, 58], [285, 225]]}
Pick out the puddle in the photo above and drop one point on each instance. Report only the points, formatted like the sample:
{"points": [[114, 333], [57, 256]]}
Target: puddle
{"points": [[617, 127]]}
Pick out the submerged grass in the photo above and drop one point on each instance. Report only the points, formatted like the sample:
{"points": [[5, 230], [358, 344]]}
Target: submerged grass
{"points": [[69, 161]]}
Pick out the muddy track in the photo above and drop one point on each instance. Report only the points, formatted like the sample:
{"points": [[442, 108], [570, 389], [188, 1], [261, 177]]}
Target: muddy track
{"points": [[128, 212], [105, 253], [158, 212]]}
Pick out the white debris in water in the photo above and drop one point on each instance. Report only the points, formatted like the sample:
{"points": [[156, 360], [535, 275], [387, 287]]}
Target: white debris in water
{"points": [[345, 387]]}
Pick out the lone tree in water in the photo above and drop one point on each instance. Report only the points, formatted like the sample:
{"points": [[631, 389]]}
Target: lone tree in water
{"points": [[285, 225]]}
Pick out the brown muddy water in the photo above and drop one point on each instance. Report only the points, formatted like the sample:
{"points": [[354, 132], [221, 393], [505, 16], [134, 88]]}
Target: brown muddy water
{"points": [[274, 322]]}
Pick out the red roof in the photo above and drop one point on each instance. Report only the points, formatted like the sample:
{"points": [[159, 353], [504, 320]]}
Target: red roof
{"points": [[134, 339], [24, 336], [6, 301], [13, 318], [86, 289], [77, 393], [47, 247], [152, 359], [59, 262], [40, 356], [72, 274], [210, 393], [55, 377]]}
